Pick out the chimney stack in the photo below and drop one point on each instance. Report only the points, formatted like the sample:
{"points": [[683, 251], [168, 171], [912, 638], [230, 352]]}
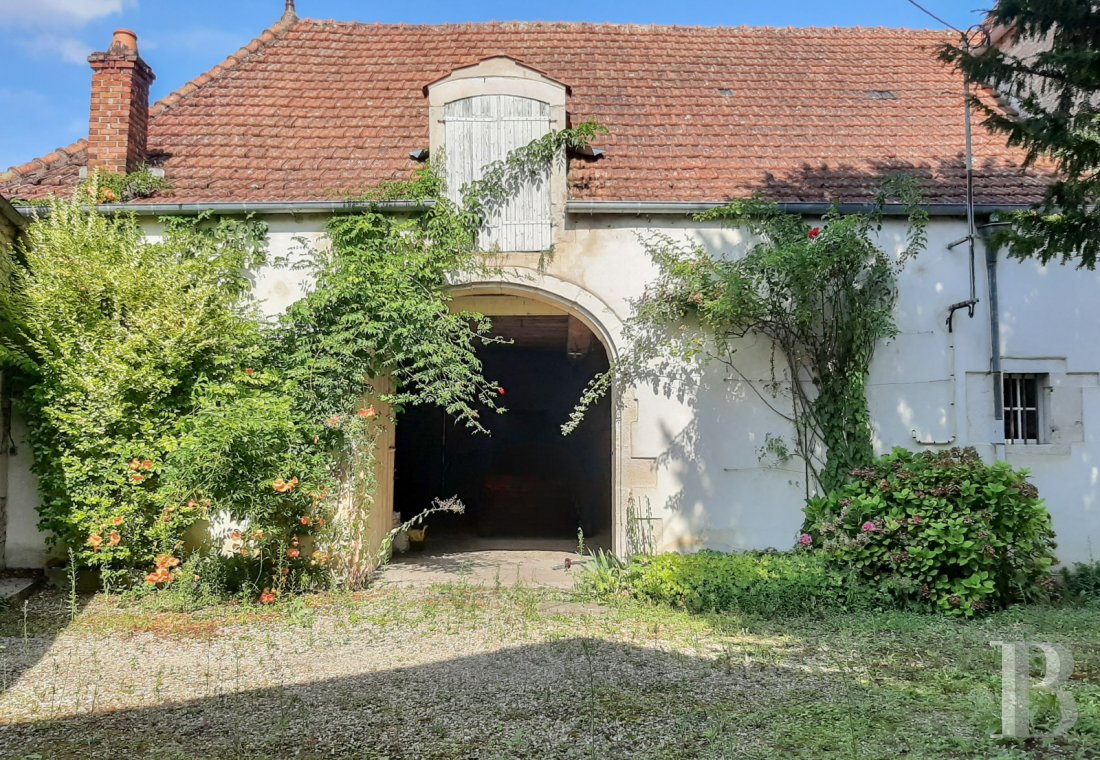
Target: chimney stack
{"points": [[120, 106]]}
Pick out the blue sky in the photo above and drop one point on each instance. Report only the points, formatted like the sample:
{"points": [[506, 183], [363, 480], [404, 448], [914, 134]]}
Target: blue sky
{"points": [[45, 87]]}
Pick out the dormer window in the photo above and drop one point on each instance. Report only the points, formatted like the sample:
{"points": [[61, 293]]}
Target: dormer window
{"points": [[479, 115], [484, 129]]}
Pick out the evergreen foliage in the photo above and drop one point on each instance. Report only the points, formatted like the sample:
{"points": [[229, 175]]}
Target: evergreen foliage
{"points": [[1049, 68]]}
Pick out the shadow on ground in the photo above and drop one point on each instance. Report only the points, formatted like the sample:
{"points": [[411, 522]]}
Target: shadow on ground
{"points": [[28, 628], [572, 698]]}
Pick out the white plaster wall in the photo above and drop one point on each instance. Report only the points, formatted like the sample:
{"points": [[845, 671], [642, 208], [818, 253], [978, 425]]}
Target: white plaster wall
{"points": [[692, 460], [1047, 325], [283, 281], [26, 545], [928, 389], [694, 454]]}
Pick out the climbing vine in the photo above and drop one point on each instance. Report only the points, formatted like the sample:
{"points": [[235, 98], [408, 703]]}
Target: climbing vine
{"points": [[380, 307], [378, 323], [823, 295], [109, 338], [159, 400], [108, 187]]}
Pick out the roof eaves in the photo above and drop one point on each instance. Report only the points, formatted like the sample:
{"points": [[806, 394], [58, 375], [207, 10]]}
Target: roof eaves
{"points": [[8, 212]]}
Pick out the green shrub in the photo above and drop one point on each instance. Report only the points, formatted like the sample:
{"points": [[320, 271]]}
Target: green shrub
{"points": [[107, 335], [763, 583], [942, 530], [164, 413], [240, 455], [1081, 583], [107, 187], [602, 575]]}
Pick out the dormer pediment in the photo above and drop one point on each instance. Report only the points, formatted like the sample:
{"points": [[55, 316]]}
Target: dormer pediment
{"points": [[503, 67]]}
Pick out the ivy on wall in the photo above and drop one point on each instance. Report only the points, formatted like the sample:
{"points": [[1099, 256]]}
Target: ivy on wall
{"points": [[823, 295], [380, 306], [159, 400], [108, 337]]}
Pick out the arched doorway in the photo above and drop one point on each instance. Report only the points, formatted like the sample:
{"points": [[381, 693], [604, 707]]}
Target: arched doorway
{"points": [[525, 485]]}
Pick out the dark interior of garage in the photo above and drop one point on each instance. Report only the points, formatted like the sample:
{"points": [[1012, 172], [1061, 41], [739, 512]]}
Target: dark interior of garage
{"points": [[525, 480]]}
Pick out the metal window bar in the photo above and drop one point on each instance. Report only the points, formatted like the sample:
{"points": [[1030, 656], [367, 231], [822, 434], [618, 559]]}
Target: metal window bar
{"points": [[1021, 408]]}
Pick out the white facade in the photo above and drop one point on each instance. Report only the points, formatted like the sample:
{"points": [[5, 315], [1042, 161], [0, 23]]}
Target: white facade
{"points": [[689, 455]]}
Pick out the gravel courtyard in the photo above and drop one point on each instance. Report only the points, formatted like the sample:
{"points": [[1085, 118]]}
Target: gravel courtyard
{"points": [[462, 671]]}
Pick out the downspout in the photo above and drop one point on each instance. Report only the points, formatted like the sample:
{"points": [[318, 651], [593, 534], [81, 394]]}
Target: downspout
{"points": [[5, 438], [995, 350], [971, 232], [997, 434], [970, 240]]}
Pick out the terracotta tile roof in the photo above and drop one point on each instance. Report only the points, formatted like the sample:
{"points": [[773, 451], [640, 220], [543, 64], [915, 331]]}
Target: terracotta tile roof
{"points": [[316, 109]]}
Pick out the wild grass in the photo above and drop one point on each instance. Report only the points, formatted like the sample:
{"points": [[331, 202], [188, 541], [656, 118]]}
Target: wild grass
{"points": [[459, 671]]}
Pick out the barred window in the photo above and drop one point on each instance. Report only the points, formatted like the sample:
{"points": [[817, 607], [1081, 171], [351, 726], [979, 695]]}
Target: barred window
{"points": [[1023, 408]]}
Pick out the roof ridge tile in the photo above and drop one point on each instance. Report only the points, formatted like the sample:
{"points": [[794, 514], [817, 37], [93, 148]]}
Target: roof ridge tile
{"points": [[693, 112], [603, 25]]}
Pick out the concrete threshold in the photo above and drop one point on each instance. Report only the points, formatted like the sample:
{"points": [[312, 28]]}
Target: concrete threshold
{"points": [[13, 590]]}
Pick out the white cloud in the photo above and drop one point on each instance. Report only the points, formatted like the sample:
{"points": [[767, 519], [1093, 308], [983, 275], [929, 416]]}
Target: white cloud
{"points": [[50, 46], [53, 13]]}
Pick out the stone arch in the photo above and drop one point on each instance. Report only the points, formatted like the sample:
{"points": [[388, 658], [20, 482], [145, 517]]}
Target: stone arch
{"points": [[600, 318], [607, 326]]}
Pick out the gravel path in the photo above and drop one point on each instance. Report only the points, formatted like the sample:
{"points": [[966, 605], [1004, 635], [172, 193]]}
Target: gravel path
{"points": [[468, 671], [418, 673]]}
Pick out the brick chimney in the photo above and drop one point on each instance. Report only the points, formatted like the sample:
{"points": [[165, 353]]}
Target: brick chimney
{"points": [[120, 106]]}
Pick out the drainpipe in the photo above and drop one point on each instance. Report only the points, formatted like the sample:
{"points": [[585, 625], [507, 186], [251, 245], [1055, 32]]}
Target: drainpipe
{"points": [[971, 232], [995, 351], [5, 437], [972, 301]]}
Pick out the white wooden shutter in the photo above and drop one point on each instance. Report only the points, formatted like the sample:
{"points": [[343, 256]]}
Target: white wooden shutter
{"points": [[484, 129]]}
